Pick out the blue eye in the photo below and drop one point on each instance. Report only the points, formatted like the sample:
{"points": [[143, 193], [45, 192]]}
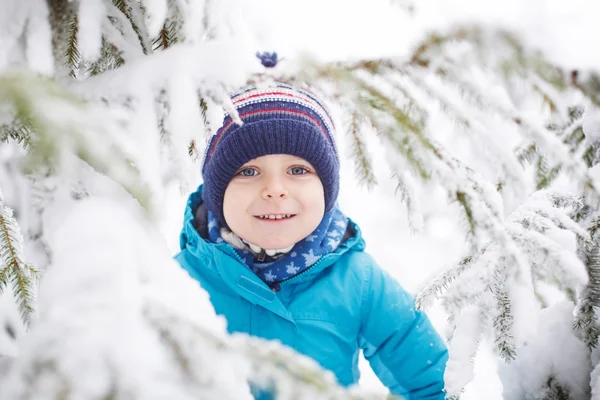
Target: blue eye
{"points": [[248, 172], [298, 171]]}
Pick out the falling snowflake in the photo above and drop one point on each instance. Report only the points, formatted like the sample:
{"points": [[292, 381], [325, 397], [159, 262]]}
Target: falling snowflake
{"points": [[291, 269], [311, 238], [310, 258], [270, 277]]}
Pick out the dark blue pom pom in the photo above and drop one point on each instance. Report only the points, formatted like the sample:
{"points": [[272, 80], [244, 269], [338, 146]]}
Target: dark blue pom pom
{"points": [[267, 59]]}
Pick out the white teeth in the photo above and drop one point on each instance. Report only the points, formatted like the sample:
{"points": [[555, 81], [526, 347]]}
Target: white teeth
{"points": [[279, 216]]}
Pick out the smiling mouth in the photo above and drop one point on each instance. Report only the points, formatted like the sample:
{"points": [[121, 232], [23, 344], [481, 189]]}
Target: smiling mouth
{"points": [[275, 217]]}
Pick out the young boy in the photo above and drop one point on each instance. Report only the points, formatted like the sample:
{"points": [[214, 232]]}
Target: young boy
{"points": [[263, 235]]}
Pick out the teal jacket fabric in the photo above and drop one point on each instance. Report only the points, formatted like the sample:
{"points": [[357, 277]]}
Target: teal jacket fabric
{"points": [[342, 304]]}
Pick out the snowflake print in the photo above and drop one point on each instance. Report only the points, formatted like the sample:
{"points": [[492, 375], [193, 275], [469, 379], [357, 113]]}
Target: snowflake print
{"points": [[332, 243], [311, 238], [310, 258], [291, 269], [341, 224], [270, 277]]}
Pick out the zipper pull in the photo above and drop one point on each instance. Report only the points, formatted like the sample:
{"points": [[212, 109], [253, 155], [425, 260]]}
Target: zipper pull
{"points": [[261, 256]]}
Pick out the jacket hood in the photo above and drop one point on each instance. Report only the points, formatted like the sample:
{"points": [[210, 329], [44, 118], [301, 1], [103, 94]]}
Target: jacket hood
{"points": [[216, 255]]}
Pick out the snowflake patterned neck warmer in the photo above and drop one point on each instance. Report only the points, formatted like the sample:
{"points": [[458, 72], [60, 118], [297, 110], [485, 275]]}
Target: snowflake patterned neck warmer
{"points": [[303, 255]]}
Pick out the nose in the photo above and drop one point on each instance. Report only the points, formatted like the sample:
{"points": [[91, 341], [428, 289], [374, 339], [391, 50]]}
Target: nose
{"points": [[274, 189]]}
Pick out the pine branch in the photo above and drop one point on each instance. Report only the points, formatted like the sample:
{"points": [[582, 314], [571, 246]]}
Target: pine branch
{"points": [[547, 98], [516, 60], [439, 285], [402, 132], [166, 38], [362, 162], [478, 134], [544, 175], [572, 136], [271, 363], [127, 11], [587, 316], [464, 202], [193, 151], [408, 197], [19, 131], [137, 15], [15, 271], [554, 390], [62, 14], [73, 55], [28, 94], [588, 84], [204, 112], [503, 322], [527, 154], [110, 58], [547, 264]]}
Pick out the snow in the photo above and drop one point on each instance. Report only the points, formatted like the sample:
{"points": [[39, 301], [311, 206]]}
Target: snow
{"points": [[569, 365], [11, 327], [591, 125], [565, 33], [91, 16], [459, 369], [156, 13], [38, 50], [122, 288]]}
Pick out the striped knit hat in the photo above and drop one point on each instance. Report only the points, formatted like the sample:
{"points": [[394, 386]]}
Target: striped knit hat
{"points": [[276, 120]]}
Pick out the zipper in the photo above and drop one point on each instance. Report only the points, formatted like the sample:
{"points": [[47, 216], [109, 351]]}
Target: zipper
{"points": [[245, 266], [295, 277], [276, 285], [238, 256], [261, 256]]}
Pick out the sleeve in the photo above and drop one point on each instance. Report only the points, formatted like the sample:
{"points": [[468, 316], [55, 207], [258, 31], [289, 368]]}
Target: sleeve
{"points": [[402, 346]]}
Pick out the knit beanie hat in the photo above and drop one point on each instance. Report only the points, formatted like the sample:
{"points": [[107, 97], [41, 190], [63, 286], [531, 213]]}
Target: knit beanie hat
{"points": [[276, 120]]}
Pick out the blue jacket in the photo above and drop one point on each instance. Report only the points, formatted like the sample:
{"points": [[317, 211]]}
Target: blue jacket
{"points": [[342, 304]]}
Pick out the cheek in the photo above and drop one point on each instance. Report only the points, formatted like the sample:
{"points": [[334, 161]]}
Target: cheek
{"points": [[233, 204], [313, 199]]}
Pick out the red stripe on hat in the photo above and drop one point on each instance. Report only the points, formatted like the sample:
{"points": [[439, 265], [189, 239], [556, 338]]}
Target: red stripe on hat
{"points": [[268, 110], [306, 98], [244, 98]]}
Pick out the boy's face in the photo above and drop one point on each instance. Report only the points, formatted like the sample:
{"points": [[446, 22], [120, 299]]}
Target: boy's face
{"points": [[274, 201]]}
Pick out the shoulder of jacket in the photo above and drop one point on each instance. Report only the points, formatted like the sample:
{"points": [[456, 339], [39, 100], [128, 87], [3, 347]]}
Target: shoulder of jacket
{"points": [[361, 262], [362, 265]]}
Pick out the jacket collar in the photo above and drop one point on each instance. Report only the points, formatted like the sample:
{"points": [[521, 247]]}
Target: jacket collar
{"points": [[222, 259]]}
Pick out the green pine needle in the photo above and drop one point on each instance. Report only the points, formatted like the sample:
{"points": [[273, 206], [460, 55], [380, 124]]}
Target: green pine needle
{"points": [[20, 275], [363, 168]]}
